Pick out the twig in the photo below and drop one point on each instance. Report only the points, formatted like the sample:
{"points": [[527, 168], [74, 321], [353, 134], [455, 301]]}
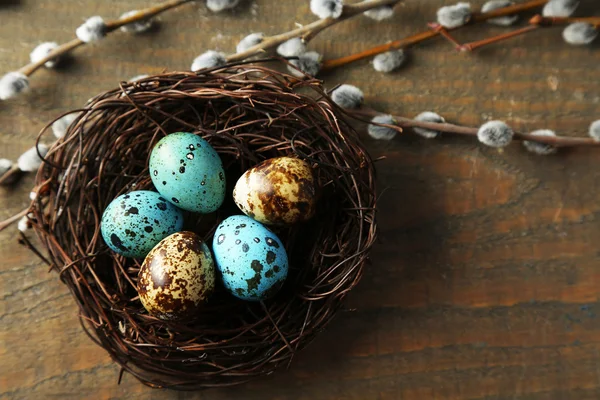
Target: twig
{"points": [[426, 35], [434, 26], [10, 176], [498, 38], [11, 220], [535, 22], [309, 31], [549, 21], [556, 141], [63, 49]]}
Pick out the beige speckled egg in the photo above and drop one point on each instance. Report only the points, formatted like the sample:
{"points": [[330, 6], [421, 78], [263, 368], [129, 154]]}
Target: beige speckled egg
{"points": [[177, 276], [277, 191]]}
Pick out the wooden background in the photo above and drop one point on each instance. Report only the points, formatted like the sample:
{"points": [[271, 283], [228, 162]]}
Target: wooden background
{"points": [[485, 280]]}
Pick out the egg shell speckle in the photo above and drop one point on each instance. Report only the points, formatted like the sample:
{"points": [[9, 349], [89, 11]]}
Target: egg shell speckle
{"points": [[252, 260], [177, 277], [277, 191], [188, 172], [135, 222]]}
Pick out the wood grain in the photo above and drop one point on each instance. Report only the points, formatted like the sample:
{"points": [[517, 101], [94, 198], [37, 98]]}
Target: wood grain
{"points": [[484, 283]]}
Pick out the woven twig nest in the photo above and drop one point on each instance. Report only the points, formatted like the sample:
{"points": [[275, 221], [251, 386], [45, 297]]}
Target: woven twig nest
{"points": [[248, 114]]}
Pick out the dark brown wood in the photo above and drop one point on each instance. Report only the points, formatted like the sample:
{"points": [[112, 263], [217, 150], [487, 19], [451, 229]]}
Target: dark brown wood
{"points": [[485, 282]]}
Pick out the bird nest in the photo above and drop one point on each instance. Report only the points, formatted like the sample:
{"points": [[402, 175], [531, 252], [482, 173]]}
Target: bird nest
{"points": [[248, 114]]}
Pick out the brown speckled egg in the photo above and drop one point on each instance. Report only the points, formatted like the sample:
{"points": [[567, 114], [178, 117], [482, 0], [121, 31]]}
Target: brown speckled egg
{"points": [[277, 191], [177, 276]]}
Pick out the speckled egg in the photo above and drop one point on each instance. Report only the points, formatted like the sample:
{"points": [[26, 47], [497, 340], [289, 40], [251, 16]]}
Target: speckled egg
{"points": [[188, 172], [177, 276], [135, 222], [278, 191], [251, 258]]}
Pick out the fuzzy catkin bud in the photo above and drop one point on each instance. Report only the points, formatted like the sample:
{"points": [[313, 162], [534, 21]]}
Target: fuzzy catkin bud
{"points": [[348, 96], [541, 149], [209, 59], [327, 8], [580, 33], [91, 30], [382, 132], [24, 223], [221, 5], [30, 160], [455, 15], [498, 4], [380, 13], [495, 134], [428, 116], [308, 63], [136, 27], [5, 166], [594, 131], [41, 51], [249, 41], [292, 48], [389, 61], [61, 125], [560, 8], [12, 84]]}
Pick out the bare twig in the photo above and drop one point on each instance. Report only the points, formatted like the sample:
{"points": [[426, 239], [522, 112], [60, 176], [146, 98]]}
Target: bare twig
{"points": [[508, 35], [536, 22], [549, 21], [436, 27]]}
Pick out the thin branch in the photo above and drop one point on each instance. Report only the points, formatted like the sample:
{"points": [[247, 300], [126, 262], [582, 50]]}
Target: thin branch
{"points": [[550, 21], [556, 141], [111, 26], [436, 27], [11, 220], [429, 34], [10, 176], [535, 22], [397, 44], [309, 31], [508, 35]]}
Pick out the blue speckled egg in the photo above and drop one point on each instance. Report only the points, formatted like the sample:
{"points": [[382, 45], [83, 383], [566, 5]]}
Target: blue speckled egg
{"points": [[251, 258], [188, 172], [135, 222]]}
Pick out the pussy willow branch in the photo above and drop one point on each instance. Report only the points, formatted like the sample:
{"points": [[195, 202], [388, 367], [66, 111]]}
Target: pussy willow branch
{"points": [[10, 175], [309, 31], [550, 21], [403, 122], [471, 46], [429, 34], [306, 32], [536, 22], [110, 27], [11, 220]]}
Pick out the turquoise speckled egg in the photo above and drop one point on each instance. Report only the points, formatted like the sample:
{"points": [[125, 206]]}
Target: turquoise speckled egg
{"points": [[251, 258], [188, 172], [135, 222]]}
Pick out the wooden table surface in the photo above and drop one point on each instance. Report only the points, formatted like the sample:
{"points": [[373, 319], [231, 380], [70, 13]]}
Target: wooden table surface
{"points": [[485, 281]]}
